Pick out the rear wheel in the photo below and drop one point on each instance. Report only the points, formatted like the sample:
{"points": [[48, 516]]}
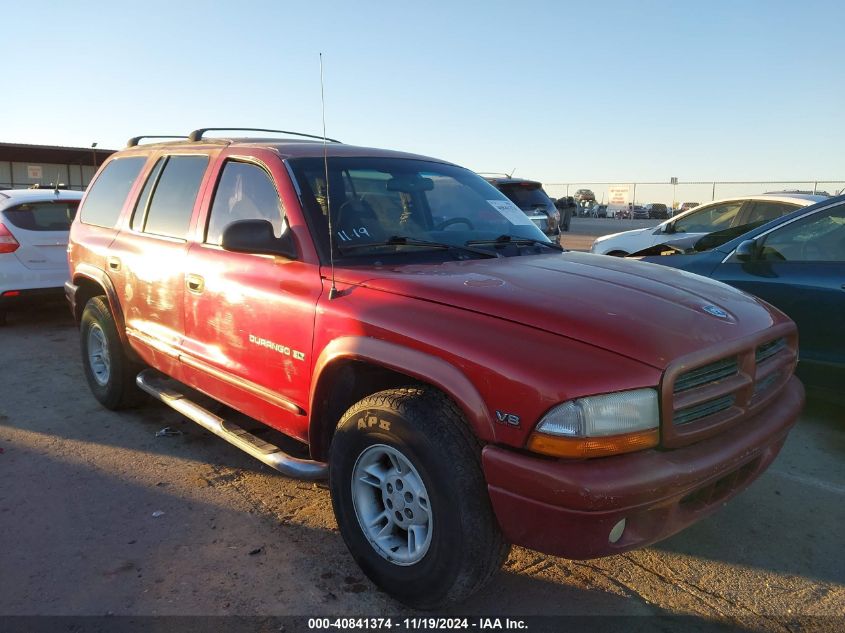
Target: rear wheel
{"points": [[410, 497], [108, 369]]}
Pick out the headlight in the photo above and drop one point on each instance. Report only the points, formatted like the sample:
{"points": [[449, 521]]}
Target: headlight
{"points": [[599, 425]]}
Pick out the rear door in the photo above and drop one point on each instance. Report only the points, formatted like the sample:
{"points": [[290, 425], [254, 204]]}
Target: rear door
{"points": [[41, 229], [149, 257]]}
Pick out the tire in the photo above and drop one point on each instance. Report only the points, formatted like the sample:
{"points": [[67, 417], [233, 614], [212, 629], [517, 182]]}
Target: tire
{"points": [[109, 371], [457, 544]]}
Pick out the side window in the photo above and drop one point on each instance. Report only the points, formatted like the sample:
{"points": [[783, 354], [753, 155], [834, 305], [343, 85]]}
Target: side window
{"points": [[244, 192], [108, 193], [716, 217], [169, 212], [820, 238], [139, 215], [767, 211]]}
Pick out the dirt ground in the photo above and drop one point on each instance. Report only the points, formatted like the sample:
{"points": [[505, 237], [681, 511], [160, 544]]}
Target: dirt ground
{"points": [[100, 516]]}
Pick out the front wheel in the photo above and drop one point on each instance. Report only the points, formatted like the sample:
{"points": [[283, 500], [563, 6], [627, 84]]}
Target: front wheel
{"points": [[109, 371], [410, 497]]}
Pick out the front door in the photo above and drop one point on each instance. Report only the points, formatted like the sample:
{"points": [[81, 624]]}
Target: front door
{"points": [[249, 317]]}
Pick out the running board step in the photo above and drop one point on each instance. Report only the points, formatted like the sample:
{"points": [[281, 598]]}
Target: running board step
{"points": [[167, 391]]}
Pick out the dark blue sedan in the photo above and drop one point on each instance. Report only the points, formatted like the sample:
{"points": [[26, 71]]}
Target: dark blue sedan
{"points": [[796, 263]]}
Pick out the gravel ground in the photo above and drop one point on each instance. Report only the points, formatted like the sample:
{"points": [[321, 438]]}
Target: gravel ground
{"points": [[103, 517]]}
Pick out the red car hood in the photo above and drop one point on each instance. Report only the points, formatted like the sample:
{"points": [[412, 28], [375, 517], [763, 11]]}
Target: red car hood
{"points": [[647, 312]]}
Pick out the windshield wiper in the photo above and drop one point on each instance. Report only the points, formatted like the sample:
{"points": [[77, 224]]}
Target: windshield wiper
{"points": [[519, 241], [402, 240]]}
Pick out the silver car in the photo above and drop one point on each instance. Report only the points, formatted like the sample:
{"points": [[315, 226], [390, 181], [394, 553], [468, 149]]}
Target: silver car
{"points": [[34, 226]]}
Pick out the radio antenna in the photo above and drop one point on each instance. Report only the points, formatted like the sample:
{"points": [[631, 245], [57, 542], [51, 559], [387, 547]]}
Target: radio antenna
{"points": [[333, 290]]}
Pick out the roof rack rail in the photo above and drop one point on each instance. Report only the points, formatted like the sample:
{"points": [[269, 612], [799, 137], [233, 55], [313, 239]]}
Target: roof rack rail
{"points": [[132, 142], [197, 135]]}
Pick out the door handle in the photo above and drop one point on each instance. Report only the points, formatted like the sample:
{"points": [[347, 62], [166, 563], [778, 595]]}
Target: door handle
{"points": [[113, 263], [195, 283]]}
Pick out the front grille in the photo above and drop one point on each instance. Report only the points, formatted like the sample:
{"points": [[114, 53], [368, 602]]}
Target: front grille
{"points": [[697, 402], [767, 350], [709, 373], [691, 414], [764, 385]]}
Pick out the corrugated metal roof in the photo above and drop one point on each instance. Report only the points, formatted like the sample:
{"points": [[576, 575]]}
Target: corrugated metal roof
{"points": [[26, 152]]}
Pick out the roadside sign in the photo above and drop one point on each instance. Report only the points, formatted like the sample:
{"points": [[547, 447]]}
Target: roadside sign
{"points": [[33, 172], [617, 197]]}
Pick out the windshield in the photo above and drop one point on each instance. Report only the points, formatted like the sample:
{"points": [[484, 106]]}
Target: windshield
{"points": [[375, 200]]}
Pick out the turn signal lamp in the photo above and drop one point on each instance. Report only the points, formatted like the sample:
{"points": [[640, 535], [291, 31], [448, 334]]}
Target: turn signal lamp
{"points": [[597, 426]]}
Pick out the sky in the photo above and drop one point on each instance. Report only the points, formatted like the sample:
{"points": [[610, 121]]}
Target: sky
{"points": [[558, 91]]}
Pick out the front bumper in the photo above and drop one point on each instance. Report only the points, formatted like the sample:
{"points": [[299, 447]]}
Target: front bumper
{"points": [[569, 508]]}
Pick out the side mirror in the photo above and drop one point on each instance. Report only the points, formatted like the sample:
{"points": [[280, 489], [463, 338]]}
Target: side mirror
{"points": [[256, 236], [746, 251]]}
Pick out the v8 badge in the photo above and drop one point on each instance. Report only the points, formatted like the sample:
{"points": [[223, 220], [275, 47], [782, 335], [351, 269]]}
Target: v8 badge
{"points": [[507, 418]]}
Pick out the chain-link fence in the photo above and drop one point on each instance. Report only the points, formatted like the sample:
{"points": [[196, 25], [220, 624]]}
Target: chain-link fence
{"points": [[673, 195]]}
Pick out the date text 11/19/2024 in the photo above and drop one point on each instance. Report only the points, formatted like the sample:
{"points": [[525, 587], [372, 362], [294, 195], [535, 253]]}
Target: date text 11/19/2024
{"points": [[414, 624]]}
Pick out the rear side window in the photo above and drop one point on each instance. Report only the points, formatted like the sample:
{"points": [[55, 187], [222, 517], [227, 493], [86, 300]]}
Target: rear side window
{"points": [[767, 211], [43, 216], [140, 213], [173, 197], [108, 193]]}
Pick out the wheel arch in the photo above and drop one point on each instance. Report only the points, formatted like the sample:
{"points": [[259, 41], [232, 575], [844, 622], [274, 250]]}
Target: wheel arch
{"points": [[91, 282], [351, 368]]}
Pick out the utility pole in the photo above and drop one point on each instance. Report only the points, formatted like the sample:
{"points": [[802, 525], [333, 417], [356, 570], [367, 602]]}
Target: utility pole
{"points": [[93, 159]]}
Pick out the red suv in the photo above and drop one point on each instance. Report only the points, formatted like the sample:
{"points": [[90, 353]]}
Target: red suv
{"points": [[463, 383]]}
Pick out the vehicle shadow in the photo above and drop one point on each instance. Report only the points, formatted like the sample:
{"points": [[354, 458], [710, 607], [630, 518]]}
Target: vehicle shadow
{"points": [[47, 393], [95, 537]]}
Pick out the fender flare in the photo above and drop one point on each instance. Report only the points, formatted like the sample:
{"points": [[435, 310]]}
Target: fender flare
{"points": [[99, 277], [420, 365]]}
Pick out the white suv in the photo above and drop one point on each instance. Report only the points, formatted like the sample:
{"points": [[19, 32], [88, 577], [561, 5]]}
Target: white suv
{"points": [[34, 226], [703, 219]]}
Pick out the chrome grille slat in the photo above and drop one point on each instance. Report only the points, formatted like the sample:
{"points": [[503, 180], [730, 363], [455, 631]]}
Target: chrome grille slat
{"points": [[722, 390], [691, 414], [708, 374], [767, 350]]}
